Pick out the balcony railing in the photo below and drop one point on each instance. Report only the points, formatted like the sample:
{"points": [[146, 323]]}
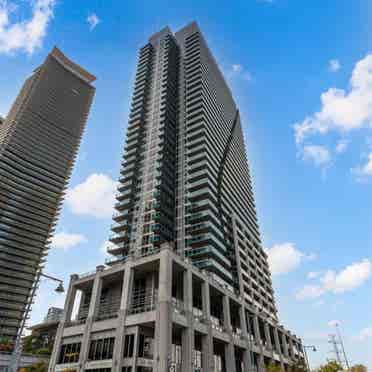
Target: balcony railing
{"points": [[143, 301], [178, 305], [73, 323], [106, 316]]}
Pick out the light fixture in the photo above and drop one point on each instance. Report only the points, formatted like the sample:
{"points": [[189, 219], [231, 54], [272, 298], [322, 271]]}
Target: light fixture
{"points": [[60, 288]]}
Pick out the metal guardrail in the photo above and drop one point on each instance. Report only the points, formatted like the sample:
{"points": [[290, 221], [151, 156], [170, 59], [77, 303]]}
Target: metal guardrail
{"points": [[74, 323], [106, 316]]}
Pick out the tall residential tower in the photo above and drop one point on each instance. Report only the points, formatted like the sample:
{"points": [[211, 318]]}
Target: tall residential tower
{"points": [[188, 286], [39, 140]]}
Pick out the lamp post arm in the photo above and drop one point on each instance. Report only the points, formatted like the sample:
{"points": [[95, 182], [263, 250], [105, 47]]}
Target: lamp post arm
{"points": [[51, 277], [17, 352]]}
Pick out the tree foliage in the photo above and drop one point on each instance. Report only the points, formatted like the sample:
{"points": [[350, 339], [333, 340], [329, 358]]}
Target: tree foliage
{"points": [[331, 366], [359, 368], [299, 366], [272, 367], [40, 366]]}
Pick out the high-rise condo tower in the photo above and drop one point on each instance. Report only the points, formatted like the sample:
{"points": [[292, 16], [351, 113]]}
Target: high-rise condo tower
{"points": [[39, 140], [188, 287]]}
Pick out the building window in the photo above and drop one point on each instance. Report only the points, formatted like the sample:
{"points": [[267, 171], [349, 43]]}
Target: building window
{"points": [[145, 347], [69, 353], [127, 369], [128, 346], [101, 349]]}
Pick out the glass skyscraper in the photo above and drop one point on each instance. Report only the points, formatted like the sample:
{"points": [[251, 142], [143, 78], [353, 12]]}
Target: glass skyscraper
{"points": [[39, 140]]}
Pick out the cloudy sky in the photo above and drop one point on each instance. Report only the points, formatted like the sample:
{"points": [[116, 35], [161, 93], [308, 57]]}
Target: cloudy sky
{"points": [[301, 73]]}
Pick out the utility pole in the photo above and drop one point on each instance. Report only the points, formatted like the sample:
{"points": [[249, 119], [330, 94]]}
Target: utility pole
{"points": [[17, 352], [335, 346], [342, 346]]}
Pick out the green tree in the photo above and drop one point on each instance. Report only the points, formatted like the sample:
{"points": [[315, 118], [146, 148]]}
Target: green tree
{"points": [[272, 367], [6, 345], [331, 366], [299, 366], [40, 366], [359, 368], [28, 342]]}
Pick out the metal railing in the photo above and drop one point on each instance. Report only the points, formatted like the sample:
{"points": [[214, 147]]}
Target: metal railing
{"points": [[178, 305], [106, 316], [73, 323]]}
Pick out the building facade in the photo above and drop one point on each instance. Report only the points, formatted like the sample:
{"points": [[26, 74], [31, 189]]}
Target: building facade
{"points": [[54, 314], [39, 140], [188, 287]]}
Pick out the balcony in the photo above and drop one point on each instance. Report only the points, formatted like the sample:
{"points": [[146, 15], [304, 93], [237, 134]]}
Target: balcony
{"points": [[143, 301], [120, 237], [118, 226], [178, 306], [74, 323], [106, 316]]}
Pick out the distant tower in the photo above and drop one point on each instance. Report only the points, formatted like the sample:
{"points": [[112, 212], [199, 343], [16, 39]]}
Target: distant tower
{"points": [[39, 140]]}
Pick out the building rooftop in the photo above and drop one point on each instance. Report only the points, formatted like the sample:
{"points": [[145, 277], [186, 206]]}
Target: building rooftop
{"points": [[68, 64]]}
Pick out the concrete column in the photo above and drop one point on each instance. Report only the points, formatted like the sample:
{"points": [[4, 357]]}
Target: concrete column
{"points": [[163, 331], [277, 346], [92, 312], [247, 352], [135, 349], [276, 339], [285, 345], [229, 347], [269, 344], [124, 306], [207, 342], [188, 340], [290, 348], [69, 304], [257, 336], [70, 300]]}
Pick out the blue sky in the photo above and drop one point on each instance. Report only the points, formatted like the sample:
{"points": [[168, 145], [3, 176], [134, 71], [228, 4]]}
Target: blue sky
{"points": [[301, 73]]}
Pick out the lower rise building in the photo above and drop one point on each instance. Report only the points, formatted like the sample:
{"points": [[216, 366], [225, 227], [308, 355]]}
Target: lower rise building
{"points": [[158, 312]]}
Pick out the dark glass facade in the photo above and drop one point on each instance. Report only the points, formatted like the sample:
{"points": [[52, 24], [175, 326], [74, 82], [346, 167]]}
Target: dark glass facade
{"points": [[39, 140]]}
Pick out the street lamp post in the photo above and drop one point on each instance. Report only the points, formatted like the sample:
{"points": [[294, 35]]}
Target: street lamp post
{"points": [[17, 352], [312, 348]]}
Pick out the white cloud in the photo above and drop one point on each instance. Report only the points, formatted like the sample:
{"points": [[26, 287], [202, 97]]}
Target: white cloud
{"points": [[334, 65], [285, 257], [364, 170], [93, 21], [310, 291], [342, 146], [237, 68], [66, 240], [238, 71], [351, 277], [342, 111], [313, 274], [95, 196], [364, 334], [25, 35], [334, 323], [319, 155]]}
